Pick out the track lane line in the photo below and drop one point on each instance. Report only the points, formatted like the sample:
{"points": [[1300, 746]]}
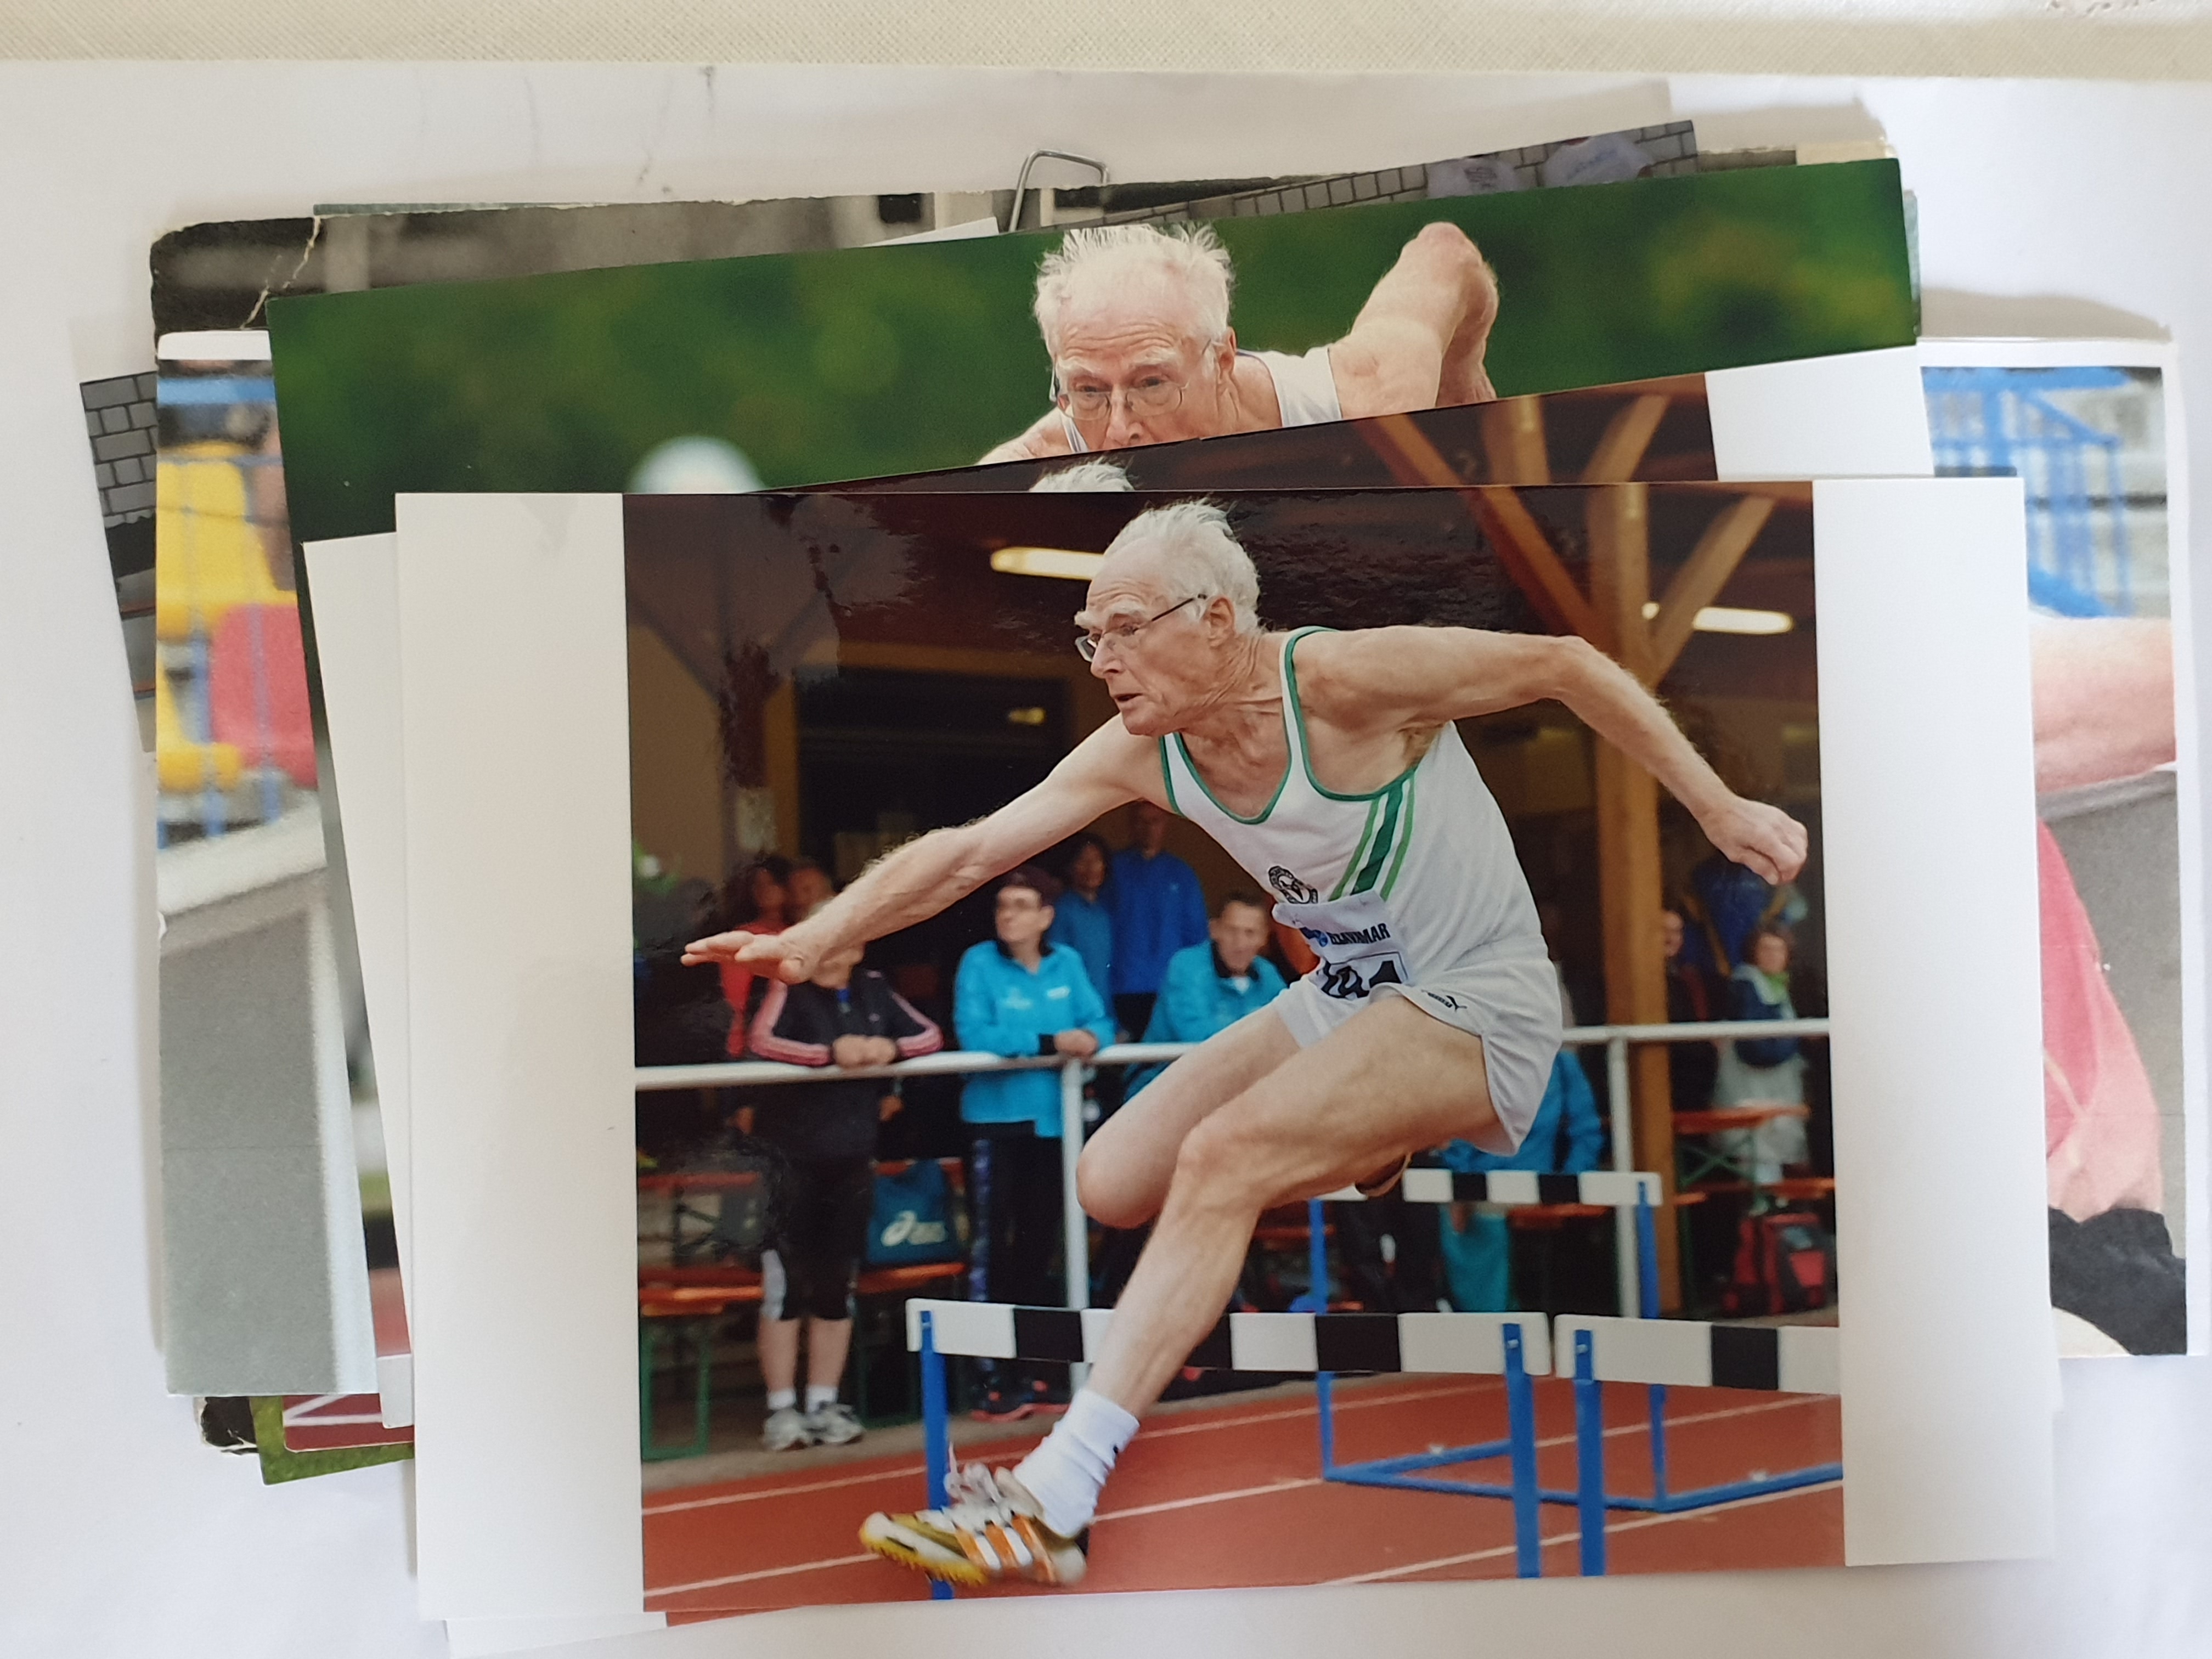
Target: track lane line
{"points": [[1573, 1534], [1295, 1484], [1170, 1429]]}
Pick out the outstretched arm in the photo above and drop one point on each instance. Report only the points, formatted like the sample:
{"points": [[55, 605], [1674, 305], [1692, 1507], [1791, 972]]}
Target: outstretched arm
{"points": [[1420, 341], [925, 876], [1384, 679]]}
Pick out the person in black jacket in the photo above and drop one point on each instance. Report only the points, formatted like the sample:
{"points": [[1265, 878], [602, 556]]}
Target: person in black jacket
{"points": [[822, 1182]]}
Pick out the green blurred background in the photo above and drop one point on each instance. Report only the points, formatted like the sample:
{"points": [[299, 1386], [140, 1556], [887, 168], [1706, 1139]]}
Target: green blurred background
{"points": [[870, 360]]}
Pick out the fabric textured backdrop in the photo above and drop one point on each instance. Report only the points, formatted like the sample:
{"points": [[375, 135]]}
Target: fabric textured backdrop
{"points": [[2131, 40]]}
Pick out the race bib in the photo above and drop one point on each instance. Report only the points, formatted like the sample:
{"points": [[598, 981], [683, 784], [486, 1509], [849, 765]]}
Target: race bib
{"points": [[1354, 939]]}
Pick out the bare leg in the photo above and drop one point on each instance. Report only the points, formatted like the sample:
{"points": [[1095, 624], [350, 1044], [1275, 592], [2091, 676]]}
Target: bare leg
{"points": [[779, 1353], [1389, 1081], [1123, 1175], [827, 1340]]}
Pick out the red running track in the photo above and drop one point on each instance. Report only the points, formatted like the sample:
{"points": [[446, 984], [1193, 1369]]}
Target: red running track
{"points": [[1231, 1495]]}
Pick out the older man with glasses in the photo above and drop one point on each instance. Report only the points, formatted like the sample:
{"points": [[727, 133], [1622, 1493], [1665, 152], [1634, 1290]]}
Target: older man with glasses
{"points": [[1327, 764], [1136, 319]]}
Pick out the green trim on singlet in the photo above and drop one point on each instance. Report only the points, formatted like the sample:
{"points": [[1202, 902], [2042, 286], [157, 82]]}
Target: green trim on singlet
{"points": [[1405, 838], [1385, 841], [1305, 738], [1225, 811], [1366, 835], [1167, 778]]}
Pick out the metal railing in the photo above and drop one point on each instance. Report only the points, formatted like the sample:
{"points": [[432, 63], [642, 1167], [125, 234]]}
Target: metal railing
{"points": [[1616, 1040]]}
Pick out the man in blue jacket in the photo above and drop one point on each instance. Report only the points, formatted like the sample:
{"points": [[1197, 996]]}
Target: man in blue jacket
{"points": [[1209, 987], [1158, 909], [1017, 995]]}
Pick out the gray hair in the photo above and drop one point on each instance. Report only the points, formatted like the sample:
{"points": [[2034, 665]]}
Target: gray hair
{"points": [[1195, 539], [1084, 476], [1191, 255]]}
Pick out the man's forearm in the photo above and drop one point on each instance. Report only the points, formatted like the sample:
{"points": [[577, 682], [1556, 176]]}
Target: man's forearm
{"points": [[909, 885], [1609, 699]]}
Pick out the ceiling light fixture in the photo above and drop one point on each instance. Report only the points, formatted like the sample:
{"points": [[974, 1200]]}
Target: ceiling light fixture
{"points": [[1724, 619], [1059, 562]]}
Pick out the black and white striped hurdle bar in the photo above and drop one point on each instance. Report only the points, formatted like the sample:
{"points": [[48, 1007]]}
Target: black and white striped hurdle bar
{"points": [[1682, 1353], [1612, 1188], [1471, 1344]]}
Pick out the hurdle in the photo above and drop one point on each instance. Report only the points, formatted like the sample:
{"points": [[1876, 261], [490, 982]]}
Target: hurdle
{"points": [[1681, 1354], [1617, 1189], [1516, 1346]]}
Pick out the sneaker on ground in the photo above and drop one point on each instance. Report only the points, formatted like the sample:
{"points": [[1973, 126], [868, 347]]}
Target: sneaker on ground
{"points": [[834, 1424], [785, 1430], [1001, 1404], [990, 1530]]}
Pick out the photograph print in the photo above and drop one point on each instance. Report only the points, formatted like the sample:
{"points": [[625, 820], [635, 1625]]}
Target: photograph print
{"points": [[1108, 970]]}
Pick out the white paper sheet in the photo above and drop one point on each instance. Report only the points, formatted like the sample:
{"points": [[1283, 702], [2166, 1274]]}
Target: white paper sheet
{"points": [[1929, 799]]}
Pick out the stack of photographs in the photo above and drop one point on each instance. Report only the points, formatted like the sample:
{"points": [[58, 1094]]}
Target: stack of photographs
{"points": [[1225, 884]]}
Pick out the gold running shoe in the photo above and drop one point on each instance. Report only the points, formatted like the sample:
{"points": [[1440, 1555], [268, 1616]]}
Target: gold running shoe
{"points": [[990, 1530]]}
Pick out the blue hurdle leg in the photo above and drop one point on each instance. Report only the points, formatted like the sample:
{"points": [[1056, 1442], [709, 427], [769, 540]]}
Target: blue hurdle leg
{"points": [[1647, 1285], [1315, 1300], [1647, 1261], [936, 1431], [1521, 1426], [1589, 1458]]}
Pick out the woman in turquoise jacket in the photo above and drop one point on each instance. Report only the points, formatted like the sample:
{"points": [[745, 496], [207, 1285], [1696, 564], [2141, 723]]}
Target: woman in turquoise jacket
{"points": [[1017, 995]]}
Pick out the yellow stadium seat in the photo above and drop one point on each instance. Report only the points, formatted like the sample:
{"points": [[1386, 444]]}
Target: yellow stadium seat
{"points": [[208, 554], [181, 766]]}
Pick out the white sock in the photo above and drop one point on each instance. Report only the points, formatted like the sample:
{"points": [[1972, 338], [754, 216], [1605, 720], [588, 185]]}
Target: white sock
{"points": [[819, 1395], [779, 1400], [1064, 1473]]}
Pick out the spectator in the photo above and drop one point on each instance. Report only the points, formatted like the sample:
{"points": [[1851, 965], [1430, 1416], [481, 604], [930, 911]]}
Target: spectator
{"points": [[1691, 997], [1083, 917], [1210, 987], [822, 1137], [1016, 994], [809, 886], [1725, 902], [757, 899], [1762, 1071], [1158, 909], [1207, 988]]}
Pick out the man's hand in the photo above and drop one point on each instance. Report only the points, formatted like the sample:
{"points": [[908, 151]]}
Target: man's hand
{"points": [[851, 1052], [1763, 839], [788, 956], [889, 1108], [1075, 1040]]}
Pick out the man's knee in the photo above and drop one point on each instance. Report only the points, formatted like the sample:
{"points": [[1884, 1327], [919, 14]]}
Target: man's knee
{"points": [[1221, 1162], [1108, 1188], [1442, 240]]}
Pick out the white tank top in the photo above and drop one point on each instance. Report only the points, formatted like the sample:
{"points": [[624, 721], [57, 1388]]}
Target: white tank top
{"points": [[1305, 388], [1414, 879]]}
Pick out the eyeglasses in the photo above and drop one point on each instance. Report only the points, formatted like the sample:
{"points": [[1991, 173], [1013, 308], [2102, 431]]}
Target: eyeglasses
{"points": [[1086, 645], [1152, 393]]}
